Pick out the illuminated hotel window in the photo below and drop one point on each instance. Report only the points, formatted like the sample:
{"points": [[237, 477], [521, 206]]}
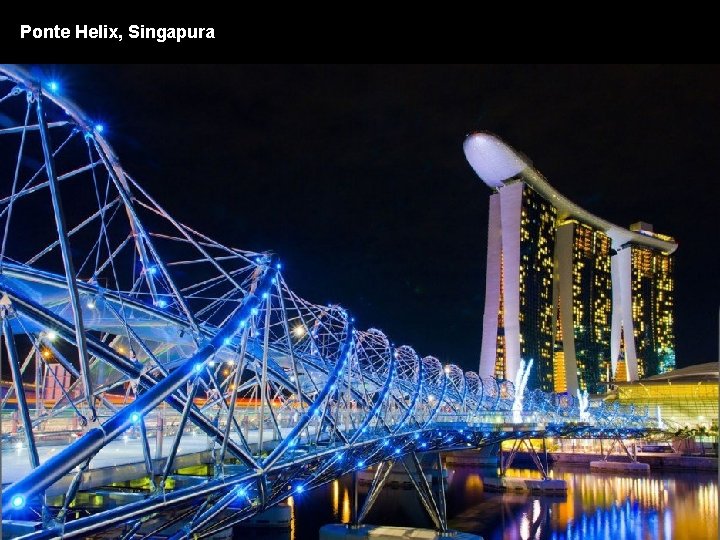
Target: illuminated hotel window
{"points": [[537, 243], [652, 307], [591, 306]]}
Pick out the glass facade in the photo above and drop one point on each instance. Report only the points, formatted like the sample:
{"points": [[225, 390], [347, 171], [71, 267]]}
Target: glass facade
{"points": [[500, 344], [591, 306], [621, 371], [537, 244], [559, 380], [681, 403], [652, 310]]}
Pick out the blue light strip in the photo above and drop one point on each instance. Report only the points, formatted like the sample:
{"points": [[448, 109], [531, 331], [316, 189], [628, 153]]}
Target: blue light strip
{"points": [[379, 402], [280, 449], [418, 390], [440, 399]]}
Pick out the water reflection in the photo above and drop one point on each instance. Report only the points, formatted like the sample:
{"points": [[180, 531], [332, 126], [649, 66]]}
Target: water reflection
{"points": [[597, 507], [341, 514], [291, 504], [345, 518], [336, 499], [664, 506]]}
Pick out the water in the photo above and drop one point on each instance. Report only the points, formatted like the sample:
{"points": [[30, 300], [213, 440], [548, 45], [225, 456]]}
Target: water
{"points": [[661, 506]]}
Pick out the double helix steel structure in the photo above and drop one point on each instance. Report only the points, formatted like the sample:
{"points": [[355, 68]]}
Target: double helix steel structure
{"points": [[139, 347]]}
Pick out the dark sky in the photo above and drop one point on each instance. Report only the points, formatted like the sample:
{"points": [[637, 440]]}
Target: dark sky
{"points": [[356, 177]]}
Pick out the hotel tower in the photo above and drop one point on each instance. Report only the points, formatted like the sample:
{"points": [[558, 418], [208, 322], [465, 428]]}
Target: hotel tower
{"points": [[589, 301]]}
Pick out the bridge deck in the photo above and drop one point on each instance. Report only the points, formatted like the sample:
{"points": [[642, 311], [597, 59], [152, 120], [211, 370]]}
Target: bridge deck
{"points": [[120, 460]]}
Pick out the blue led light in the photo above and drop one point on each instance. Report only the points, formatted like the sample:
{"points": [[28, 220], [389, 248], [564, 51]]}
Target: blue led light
{"points": [[278, 266], [254, 311], [161, 303], [242, 492], [265, 295], [386, 442], [99, 128], [152, 270], [340, 456], [299, 489], [198, 367], [242, 324], [423, 445], [397, 451], [53, 86], [18, 501], [135, 417], [361, 464], [417, 436], [227, 341]]}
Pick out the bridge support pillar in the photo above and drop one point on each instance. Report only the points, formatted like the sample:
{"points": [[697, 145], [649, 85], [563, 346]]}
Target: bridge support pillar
{"points": [[534, 485], [381, 475], [617, 441], [422, 487], [442, 503], [433, 501], [506, 462], [620, 466]]}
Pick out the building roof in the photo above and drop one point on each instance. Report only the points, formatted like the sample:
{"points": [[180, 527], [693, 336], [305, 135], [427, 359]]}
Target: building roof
{"points": [[496, 162], [692, 374], [698, 372]]}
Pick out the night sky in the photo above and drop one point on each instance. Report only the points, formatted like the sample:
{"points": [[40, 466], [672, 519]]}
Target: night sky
{"points": [[356, 177]]}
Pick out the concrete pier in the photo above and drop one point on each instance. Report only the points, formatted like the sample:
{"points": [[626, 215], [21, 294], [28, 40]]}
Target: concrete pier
{"points": [[668, 462], [339, 531], [632, 467], [529, 485]]}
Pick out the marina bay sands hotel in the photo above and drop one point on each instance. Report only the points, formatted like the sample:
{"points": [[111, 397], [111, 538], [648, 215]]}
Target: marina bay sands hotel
{"points": [[589, 301]]}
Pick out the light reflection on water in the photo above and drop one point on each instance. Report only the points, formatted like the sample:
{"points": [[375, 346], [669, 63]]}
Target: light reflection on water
{"points": [[341, 513], [597, 507], [663, 506]]}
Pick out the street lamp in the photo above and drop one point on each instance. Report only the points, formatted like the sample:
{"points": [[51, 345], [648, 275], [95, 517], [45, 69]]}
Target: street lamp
{"points": [[299, 331]]}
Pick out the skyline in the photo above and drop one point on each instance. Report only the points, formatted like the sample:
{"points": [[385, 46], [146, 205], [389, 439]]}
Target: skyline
{"points": [[413, 265]]}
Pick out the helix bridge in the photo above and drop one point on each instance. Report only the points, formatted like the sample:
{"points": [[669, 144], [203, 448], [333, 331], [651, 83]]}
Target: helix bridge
{"points": [[136, 349]]}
